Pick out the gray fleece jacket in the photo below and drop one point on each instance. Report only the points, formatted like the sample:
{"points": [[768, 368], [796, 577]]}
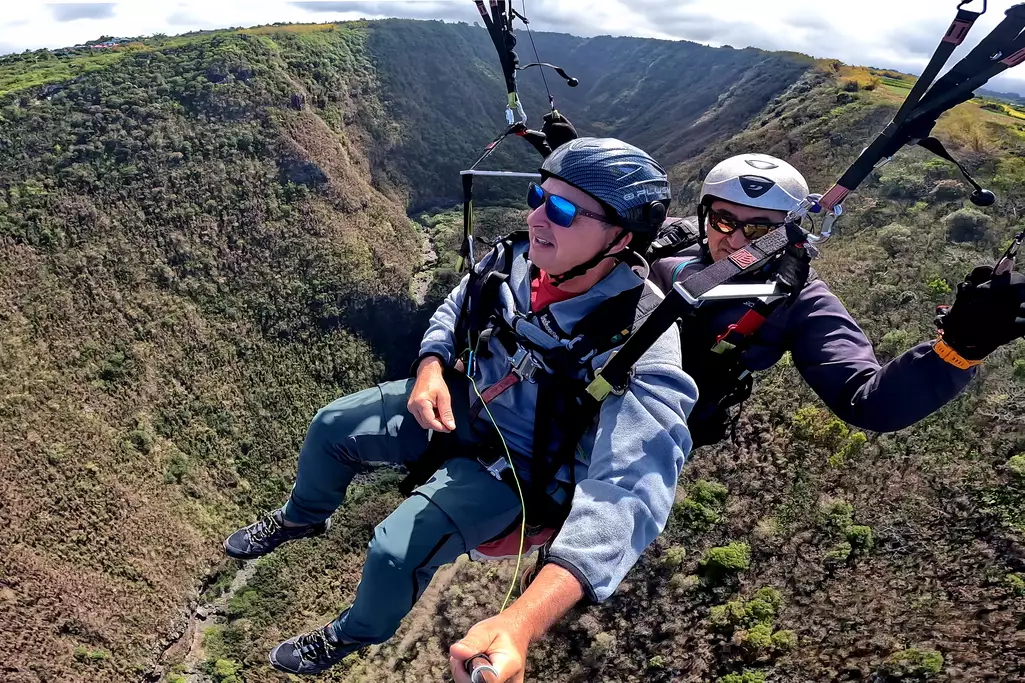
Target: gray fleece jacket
{"points": [[627, 463]]}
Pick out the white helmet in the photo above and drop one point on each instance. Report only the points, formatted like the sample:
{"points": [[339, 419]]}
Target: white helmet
{"points": [[756, 180]]}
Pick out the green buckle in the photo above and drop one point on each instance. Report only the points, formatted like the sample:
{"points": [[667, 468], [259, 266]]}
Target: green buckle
{"points": [[599, 389], [723, 347]]}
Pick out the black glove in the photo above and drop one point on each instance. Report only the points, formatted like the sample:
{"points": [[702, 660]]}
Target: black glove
{"points": [[988, 312], [793, 270], [557, 129]]}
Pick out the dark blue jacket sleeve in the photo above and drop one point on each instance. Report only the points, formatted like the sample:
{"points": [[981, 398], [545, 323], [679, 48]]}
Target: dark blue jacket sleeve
{"points": [[835, 357]]}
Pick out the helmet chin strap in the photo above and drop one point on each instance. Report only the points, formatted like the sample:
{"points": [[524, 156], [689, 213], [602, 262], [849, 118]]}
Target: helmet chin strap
{"points": [[702, 218], [577, 271]]}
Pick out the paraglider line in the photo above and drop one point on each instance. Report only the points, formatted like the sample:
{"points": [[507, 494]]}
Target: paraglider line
{"points": [[519, 489]]}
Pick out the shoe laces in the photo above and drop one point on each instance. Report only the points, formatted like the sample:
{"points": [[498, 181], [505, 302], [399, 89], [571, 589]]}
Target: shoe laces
{"points": [[268, 526], [315, 646]]}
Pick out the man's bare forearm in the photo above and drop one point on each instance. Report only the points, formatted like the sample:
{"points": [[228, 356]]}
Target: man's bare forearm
{"points": [[553, 593]]}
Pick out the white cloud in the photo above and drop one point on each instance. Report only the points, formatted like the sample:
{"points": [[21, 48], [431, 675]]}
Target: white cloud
{"points": [[873, 32], [73, 11]]}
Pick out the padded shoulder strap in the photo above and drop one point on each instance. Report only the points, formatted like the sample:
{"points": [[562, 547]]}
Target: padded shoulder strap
{"points": [[615, 319], [480, 301], [676, 234]]}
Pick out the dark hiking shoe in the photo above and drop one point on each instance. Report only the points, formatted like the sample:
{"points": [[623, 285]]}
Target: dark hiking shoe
{"points": [[262, 537], [312, 653]]}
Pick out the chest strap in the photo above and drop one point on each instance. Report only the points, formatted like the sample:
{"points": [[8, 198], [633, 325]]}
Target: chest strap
{"points": [[523, 368]]}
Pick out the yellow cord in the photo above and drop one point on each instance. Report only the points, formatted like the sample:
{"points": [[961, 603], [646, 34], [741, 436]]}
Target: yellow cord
{"points": [[523, 504]]}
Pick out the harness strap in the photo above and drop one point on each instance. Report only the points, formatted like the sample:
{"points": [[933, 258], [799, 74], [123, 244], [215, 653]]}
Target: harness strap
{"points": [[545, 464], [651, 323], [466, 248], [937, 148], [493, 392], [481, 298], [954, 36], [499, 26], [1002, 49], [742, 261], [893, 137]]}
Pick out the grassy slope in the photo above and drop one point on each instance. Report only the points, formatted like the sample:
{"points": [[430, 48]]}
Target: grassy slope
{"points": [[443, 84], [190, 268]]}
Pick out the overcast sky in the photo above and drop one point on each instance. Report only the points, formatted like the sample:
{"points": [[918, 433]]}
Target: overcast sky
{"points": [[897, 34]]}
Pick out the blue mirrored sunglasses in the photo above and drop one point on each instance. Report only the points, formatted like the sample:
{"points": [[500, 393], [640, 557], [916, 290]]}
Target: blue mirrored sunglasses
{"points": [[559, 210]]}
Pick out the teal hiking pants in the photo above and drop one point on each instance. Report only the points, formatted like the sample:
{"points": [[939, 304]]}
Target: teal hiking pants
{"points": [[459, 508]]}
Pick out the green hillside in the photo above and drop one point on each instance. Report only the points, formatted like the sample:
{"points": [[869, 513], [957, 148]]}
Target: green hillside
{"points": [[444, 84], [205, 238], [191, 266]]}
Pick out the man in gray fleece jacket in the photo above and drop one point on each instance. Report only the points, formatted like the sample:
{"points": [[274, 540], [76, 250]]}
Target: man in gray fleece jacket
{"points": [[600, 200]]}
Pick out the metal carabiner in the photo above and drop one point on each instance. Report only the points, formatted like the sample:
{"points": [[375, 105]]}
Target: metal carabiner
{"points": [[985, 5], [826, 229], [811, 205], [477, 672], [514, 112], [1006, 262]]}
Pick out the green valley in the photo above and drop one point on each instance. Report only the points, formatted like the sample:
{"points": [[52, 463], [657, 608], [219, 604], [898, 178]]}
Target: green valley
{"points": [[205, 238]]}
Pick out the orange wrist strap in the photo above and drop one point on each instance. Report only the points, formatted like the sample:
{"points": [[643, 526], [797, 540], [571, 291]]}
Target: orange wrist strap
{"points": [[953, 357]]}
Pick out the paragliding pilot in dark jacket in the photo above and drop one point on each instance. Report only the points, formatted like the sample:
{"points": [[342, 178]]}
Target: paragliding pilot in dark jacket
{"points": [[744, 197]]}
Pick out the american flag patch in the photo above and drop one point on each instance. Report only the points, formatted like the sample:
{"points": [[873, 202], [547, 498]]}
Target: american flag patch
{"points": [[743, 258]]}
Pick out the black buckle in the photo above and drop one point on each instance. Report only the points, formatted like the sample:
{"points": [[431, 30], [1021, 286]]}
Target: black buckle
{"points": [[523, 365], [496, 466]]}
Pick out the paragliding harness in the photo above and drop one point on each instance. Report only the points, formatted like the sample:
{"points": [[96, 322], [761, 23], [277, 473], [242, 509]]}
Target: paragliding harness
{"points": [[564, 410], [715, 365], [481, 303]]}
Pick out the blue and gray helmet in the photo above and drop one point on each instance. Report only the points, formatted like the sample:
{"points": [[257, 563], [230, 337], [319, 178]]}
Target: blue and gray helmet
{"points": [[631, 186]]}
